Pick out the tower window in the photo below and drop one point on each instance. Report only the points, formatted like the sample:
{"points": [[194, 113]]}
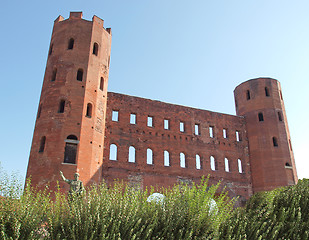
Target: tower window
{"points": [[248, 95], [261, 117], [182, 160], [266, 92], [115, 116], [281, 95], [71, 44], [113, 152], [166, 124], [226, 164], [39, 111], [53, 78], [61, 106], [166, 158], [132, 118], [79, 75], [280, 116], [95, 49], [238, 136], [132, 154], [89, 110], [197, 129], [182, 127], [198, 161], [213, 164], [290, 144], [149, 121], [101, 83], [149, 156], [70, 149], [224, 133], [211, 132], [239, 166], [275, 142], [51, 49], [42, 144]]}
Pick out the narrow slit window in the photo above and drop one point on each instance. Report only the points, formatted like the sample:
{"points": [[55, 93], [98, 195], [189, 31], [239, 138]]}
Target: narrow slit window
{"points": [[275, 142], [211, 132], [182, 160], [42, 144], [39, 112], [248, 95], [71, 44], [51, 49], [95, 49], [113, 152], [281, 95], [132, 118], [61, 106], [238, 136], [266, 92], [290, 145], [166, 159], [149, 156], [70, 150], [115, 115], [182, 127], [89, 110], [79, 75], [261, 117], [132, 154], [213, 164], [54, 74], [101, 83], [197, 129], [280, 116], [166, 124], [224, 133], [226, 165], [149, 121], [198, 161], [239, 166]]}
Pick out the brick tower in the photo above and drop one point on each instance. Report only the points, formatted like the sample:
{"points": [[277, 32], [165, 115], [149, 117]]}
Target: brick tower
{"points": [[70, 125], [272, 162]]}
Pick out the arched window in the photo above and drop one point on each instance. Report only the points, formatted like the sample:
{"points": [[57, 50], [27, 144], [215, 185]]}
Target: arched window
{"points": [[248, 95], [42, 144], [39, 111], [261, 117], [166, 158], [239, 166], [95, 49], [149, 156], [132, 154], [51, 49], [89, 110], [54, 75], [113, 152], [79, 75], [182, 160], [275, 142], [61, 106], [70, 150], [226, 165], [71, 43], [280, 116], [213, 164], [101, 83], [198, 161], [266, 92]]}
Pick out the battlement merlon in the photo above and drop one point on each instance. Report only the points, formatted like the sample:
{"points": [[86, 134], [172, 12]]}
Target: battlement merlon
{"points": [[79, 15]]}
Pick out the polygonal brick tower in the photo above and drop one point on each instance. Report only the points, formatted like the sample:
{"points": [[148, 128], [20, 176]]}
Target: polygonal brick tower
{"points": [[70, 125], [272, 162]]}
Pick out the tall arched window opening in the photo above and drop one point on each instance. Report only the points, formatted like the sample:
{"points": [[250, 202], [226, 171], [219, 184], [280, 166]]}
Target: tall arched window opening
{"points": [[226, 165], [53, 78], [89, 110], [261, 117], [266, 92], [70, 150], [71, 44], [113, 152], [248, 95], [42, 144], [101, 83], [39, 111], [213, 164], [95, 49], [132, 154], [280, 116], [239, 166], [51, 49], [149, 156], [275, 142], [79, 75], [182, 160], [198, 161], [61, 106], [166, 158]]}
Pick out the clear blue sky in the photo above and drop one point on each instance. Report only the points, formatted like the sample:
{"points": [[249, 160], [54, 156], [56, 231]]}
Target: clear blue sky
{"points": [[192, 53]]}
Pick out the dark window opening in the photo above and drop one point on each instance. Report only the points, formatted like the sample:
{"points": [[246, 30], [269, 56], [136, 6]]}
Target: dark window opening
{"points": [[248, 95], [95, 49], [71, 43], [290, 144], [266, 92], [42, 144], [70, 149], [72, 137], [101, 83], [281, 95], [280, 116], [261, 117], [287, 164], [54, 75], [79, 76], [89, 110], [61, 106], [275, 142], [39, 111], [51, 49]]}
